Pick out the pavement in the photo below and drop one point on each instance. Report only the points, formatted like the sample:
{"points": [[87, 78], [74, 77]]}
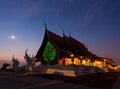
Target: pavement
{"points": [[12, 80], [117, 84]]}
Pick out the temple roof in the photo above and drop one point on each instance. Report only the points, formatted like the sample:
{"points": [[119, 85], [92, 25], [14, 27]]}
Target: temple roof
{"points": [[69, 44], [65, 46], [56, 39]]}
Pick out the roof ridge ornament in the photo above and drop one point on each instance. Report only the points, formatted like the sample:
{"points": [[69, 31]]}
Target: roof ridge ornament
{"points": [[45, 25], [70, 34], [63, 32]]}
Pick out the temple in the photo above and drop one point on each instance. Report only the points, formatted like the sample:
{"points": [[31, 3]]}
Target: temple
{"points": [[67, 50]]}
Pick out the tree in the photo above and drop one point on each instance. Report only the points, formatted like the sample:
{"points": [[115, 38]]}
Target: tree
{"points": [[5, 66], [15, 64], [49, 52]]}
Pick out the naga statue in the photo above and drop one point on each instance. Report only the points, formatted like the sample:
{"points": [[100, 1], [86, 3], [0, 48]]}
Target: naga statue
{"points": [[30, 62]]}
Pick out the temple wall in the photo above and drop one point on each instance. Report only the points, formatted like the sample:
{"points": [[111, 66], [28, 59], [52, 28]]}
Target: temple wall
{"points": [[77, 61]]}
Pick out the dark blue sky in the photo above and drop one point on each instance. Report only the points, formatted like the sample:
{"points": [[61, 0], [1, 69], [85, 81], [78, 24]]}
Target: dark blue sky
{"points": [[93, 22]]}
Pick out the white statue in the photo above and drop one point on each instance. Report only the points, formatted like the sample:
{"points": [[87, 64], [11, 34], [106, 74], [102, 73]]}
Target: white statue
{"points": [[15, 64], [30, 62]]}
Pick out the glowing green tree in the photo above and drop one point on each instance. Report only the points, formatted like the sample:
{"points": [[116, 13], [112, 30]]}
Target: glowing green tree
{"points": [[49, 52]]}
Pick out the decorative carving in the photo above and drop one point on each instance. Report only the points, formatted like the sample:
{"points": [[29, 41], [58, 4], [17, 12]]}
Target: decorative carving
{"points": [[30, 62], [49, 52]]}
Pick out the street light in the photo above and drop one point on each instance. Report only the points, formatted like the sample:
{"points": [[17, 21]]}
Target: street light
{"points": [[81, 58], [104, 62]]}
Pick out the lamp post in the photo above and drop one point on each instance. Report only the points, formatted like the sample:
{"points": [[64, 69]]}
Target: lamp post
{"points": [[72, 58], [81, 57], [104, 62]]}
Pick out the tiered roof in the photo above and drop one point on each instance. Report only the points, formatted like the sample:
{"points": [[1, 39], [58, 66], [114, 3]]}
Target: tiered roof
{"points": [[66, 44]]}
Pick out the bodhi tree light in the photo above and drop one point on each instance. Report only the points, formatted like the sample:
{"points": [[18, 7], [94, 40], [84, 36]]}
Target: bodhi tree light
{"points": [[49, 52]]}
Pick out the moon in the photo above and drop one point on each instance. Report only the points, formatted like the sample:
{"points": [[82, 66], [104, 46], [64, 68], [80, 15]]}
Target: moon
{"points": [[12, 37]]}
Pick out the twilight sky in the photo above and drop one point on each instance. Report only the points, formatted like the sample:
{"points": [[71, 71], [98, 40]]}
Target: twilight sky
{"points": [[96, 23]]}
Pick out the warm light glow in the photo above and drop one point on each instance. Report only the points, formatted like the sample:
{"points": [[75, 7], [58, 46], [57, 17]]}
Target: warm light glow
{"points": [[83, 62], [81, 57], [104, 59], [71, 55], [69, 61], [98, 63], [76, 61]]}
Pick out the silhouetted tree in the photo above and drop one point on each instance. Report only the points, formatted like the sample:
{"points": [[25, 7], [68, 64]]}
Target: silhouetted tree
{"points": [[5, 66], [15, 64]]}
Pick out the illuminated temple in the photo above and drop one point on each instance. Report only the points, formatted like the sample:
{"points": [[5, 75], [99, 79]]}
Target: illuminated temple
{"points": [[65, 50]]}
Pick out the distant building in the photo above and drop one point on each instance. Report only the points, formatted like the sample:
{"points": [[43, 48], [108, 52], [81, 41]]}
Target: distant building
{"points": [[67, 50]]}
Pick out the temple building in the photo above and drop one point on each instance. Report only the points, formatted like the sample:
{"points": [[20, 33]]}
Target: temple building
{"points": [[67, 50]]}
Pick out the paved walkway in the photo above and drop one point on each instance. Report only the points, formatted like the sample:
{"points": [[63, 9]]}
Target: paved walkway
{"points": [[117, 84], [17, 81]]}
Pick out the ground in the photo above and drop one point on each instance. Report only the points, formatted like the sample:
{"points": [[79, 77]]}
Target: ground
{"points": [[15, 80]]}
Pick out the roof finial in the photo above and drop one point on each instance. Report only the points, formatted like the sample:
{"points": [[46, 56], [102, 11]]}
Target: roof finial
{"points": [[63, 32], [45, 25], [69, 34]]}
